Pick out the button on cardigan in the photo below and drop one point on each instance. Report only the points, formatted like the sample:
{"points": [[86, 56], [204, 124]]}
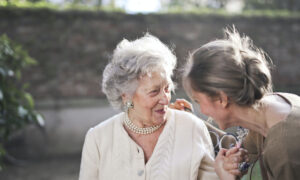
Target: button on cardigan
{"points": [[183, 152]]}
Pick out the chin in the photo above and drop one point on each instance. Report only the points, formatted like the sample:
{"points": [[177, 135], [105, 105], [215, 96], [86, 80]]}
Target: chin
{"points": [[221, 125], [225, 126], [159, 120]]}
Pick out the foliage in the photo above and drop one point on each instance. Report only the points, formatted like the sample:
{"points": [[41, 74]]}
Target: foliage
{"points": [[16, 105], [291, 5], [23, 4], [273, 8], [84, 5], [223, 12]]}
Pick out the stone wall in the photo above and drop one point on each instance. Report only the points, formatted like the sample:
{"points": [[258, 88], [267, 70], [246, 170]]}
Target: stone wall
{"points": [[72, 47]]}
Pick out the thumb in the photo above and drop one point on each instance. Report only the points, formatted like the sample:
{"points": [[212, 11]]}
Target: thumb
{"points": [[222, 152]]}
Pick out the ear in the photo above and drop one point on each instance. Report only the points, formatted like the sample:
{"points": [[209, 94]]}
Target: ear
{"points": [[224, 100], [124, 98]]}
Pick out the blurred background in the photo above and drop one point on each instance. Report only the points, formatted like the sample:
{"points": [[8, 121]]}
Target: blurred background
{"points": [[59, 49]]}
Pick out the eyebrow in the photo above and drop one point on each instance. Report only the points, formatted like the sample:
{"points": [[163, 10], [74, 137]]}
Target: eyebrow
{"points": [[156, 86], [152, 87]]}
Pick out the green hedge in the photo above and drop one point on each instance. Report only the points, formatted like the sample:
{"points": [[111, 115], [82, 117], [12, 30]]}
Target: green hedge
{"points": [[16, 105]]}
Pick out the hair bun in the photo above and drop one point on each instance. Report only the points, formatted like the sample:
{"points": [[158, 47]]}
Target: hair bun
{"points": [[232, 65]]}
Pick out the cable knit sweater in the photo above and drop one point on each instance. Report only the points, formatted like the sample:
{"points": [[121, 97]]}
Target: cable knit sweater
{"points": [[183, 152]]}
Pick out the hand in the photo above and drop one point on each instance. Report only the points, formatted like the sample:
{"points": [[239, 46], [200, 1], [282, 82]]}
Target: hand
{"points": [[182, 104], [233, 158], [219, 166]]}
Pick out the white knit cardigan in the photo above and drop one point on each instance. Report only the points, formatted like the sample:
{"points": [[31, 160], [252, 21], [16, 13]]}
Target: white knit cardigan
{"points": [[183, 152]]}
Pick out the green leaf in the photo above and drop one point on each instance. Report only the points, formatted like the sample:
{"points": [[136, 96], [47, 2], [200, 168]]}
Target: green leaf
{"points": [[30, 61], [8, 51], [18, 74], [29, 100], [17, 106]]}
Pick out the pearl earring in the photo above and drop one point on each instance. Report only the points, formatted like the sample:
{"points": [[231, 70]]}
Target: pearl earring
{"points": [[129, 104]]}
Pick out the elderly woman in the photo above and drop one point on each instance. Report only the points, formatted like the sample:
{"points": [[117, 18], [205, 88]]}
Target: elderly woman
{"points": [[147, 140], [230, 79]]}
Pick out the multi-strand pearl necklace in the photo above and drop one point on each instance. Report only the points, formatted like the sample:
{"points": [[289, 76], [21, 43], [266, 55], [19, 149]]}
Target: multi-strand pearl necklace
{"points": [[132, 127]]}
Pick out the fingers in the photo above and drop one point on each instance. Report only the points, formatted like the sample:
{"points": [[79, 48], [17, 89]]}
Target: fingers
{"points": [[243, 152], [175, 106], [233, 158], [232, 151], [235, 151], [182, 104], [219, 168], [222, 152], [220, 157], [219, 161], [228, 166], [240, 156], [233, 168]]}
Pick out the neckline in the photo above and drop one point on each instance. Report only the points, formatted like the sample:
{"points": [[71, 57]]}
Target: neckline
{"points": [[284, 120], [161, 136]]}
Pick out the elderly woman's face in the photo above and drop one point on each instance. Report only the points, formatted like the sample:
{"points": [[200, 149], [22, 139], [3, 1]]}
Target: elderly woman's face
{"points": [[151, 99]]}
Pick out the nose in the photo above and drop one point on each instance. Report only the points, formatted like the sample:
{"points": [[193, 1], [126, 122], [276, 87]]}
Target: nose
{"points": [[164, 98]]}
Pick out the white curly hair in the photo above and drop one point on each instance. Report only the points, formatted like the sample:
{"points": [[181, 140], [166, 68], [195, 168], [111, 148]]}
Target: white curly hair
{"points": [[132, 60]]}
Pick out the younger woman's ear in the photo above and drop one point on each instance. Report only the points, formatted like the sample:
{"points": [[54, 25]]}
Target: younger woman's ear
{"points": [[224, 100]]}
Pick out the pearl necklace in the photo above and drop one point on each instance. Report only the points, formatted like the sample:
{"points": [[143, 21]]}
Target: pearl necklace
{"points": [[132, 127]]}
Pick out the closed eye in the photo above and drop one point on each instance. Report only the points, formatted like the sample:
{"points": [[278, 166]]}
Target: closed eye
{"points": [[167, 89], [154, 91]]}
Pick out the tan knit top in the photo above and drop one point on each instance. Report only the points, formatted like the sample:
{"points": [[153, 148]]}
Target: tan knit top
{"points": [[279, 152]]}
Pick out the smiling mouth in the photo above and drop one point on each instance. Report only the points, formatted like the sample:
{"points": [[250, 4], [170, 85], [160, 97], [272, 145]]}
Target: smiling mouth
{"points": [[161, 111]]}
